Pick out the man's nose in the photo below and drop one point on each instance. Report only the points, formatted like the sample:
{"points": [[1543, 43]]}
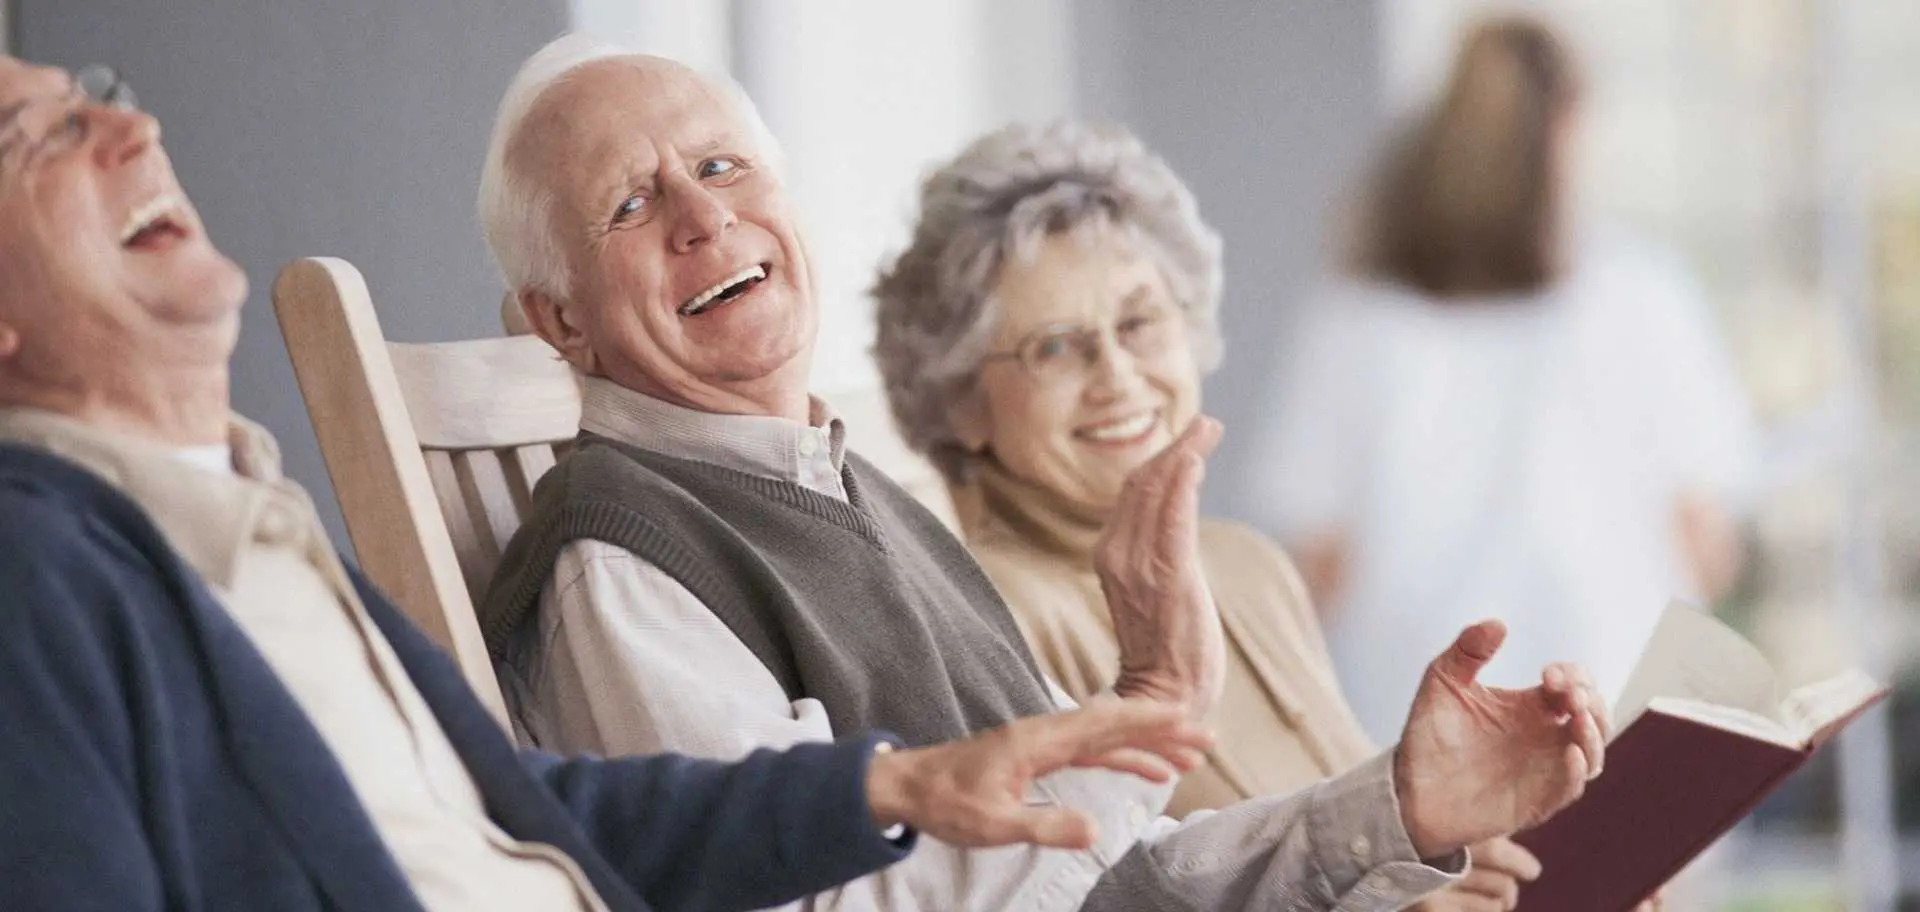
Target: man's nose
{"points": [[702, 218], [120, 135]]}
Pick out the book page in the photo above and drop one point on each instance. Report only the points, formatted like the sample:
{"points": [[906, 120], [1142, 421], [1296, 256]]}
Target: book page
{"points": [[1738, 721], [1815, 706], [1694, 657]]}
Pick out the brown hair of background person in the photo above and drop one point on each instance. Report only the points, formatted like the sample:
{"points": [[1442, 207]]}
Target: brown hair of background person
{"points": [[1469, 201]]}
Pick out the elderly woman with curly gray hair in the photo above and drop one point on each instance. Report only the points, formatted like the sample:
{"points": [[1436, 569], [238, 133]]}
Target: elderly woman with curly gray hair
{"points": [[1044, 334]]}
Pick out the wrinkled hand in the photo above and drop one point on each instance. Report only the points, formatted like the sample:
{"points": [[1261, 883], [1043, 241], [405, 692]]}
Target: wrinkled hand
{"points": [[973, 793], [1148, 561], [1475, 762], [1500, 866]]}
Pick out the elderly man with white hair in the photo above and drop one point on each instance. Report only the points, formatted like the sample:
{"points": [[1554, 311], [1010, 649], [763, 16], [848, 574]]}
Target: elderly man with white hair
{"points": [[709, 570], [202, 708]]}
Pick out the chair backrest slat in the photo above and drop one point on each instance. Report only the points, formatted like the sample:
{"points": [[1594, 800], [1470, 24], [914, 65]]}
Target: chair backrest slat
{"points": [[525, 466], [490, 501], [487, 393], [468, 547]]}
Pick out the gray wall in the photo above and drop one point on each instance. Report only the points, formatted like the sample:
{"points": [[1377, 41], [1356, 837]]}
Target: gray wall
{"points": [[1266, 109], [351, 128]]}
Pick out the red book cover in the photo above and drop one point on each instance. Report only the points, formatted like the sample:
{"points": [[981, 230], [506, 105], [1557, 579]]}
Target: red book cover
{"points": [[1671, 786]]}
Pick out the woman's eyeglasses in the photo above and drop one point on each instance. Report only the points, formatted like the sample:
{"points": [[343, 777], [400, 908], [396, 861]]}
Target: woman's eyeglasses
{"points": [[1065, 351]]}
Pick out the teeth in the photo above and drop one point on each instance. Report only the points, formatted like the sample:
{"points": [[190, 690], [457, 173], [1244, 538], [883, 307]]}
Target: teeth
{"points": [[152, 211], [700, 301], [1124, 429]]}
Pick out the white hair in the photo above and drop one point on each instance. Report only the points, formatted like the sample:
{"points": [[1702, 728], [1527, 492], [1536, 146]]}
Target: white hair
{"points": [[992, 203], [516, 208]]}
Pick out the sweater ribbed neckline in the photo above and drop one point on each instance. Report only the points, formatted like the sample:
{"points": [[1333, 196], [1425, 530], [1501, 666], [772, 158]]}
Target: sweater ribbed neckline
{"points": [[854, 514]]}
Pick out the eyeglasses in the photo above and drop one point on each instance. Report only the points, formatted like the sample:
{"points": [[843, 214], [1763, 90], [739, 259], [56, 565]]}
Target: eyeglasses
{"points": [[32, 128], [1066, 351]]}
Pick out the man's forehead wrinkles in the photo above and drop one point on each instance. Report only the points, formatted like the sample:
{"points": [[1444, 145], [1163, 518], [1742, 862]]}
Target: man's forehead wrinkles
{"points": [[610, 127]]}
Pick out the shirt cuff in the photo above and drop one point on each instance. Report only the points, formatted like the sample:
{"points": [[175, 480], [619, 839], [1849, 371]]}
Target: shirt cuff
{"points": [[1361, 844], [897, 833], [897, 840], [1124, 807]]}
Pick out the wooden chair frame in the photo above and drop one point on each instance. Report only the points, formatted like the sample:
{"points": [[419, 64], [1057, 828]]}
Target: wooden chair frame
{"points": [[433, 449]]}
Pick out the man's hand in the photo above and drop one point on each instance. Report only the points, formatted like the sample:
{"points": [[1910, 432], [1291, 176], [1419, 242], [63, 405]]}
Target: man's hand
{"points": [[1500, 866], [1148, 561], [1476, 762], [973, 793]]}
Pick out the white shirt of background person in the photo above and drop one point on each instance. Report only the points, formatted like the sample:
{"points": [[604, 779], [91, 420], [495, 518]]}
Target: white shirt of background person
{"points": [[1510, 458]]}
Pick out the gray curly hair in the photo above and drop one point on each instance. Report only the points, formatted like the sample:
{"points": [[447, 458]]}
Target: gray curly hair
{"points": [[996, 200]]}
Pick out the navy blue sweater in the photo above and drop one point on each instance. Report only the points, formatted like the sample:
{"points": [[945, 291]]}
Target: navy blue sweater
{"points": [[150, 759]]}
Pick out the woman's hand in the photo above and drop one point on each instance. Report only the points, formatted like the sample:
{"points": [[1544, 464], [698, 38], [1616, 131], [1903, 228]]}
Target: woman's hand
{"points": [[1148, 562]]}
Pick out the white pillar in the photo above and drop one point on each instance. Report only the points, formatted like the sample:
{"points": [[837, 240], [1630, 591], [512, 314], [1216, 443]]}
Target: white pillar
{"points": [[1869, 840], [866, 96], [694, 32]]}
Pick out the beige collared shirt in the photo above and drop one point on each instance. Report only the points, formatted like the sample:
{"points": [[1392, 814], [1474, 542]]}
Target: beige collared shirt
{"points": [[632, 662], [254, 537]]}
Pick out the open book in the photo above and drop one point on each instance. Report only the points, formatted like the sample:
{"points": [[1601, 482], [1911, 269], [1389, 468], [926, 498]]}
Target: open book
{"points": [[1702, 734]]}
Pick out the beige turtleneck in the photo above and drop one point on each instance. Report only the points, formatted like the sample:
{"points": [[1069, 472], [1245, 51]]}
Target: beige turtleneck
{"points": [[1282, 722]]}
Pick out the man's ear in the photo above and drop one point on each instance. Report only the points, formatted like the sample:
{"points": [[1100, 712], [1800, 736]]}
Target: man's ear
{"points": [[970, 421], [555, 322]]}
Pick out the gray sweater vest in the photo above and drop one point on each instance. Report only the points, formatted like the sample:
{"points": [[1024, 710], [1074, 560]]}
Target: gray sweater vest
{"points": [[872, 607]]}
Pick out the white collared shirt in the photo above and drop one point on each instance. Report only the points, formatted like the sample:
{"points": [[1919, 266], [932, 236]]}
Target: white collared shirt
{"points": [[809, 455], [634, 663]]}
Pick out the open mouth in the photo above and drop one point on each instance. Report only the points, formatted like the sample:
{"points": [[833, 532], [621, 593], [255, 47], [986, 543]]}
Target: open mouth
{"points": [[156, 225], [726, 291], [1121, 431]]}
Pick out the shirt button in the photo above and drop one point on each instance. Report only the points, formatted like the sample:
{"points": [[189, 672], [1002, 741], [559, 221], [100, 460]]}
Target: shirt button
{"points": [[1377, 883], [1137, 816], [809, 444], [276, 526], [1360, 847]]}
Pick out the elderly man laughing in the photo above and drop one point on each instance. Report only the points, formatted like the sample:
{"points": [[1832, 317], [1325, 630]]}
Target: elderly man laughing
{"points": [[710, 571], [202, 708]]}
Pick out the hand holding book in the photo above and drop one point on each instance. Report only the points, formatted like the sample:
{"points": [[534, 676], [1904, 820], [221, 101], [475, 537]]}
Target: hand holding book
{"points": [[1476, 762], [1704, 735]]}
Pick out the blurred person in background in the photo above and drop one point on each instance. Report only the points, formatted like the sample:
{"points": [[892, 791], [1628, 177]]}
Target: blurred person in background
{"points": [[1499, 409], [1042, 337]]}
